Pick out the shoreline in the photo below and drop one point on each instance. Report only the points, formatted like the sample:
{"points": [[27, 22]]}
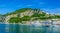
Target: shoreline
{"points": [[55, 21]]}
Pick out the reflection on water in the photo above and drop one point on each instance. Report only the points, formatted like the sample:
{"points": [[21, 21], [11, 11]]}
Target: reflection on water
{"points": [[18, 28]]}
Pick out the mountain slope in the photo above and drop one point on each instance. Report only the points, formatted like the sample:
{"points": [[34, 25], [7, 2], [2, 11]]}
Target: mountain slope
{"points": [[28, 14]]}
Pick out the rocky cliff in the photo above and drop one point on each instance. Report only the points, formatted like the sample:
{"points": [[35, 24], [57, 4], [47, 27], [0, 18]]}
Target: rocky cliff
{"points": [[27, 14]]}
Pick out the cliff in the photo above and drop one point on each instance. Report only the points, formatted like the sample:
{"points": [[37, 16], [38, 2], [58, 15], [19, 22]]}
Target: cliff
{"points": [[28, 14]]}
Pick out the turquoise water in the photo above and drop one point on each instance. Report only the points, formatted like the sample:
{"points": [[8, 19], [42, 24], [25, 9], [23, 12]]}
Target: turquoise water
{"points": [[18, 28]]}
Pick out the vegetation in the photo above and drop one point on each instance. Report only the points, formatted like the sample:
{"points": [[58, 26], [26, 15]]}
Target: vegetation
{"points": [[18, 11], [25, 18], [1, 18], [55, 17], [37, 15], [15, 20]]}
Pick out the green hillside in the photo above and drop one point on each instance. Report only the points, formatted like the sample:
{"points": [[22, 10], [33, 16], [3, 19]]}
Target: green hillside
{"points": [[36, 14], [18, 11]]}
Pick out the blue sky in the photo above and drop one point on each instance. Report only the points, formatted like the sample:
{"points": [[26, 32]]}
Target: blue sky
{"points": [[49, 6]]}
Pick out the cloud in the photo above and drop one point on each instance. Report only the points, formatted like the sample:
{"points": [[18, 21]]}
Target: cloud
{"points": [[41, 3], [53, 11], [23, 5], [28, 5]]}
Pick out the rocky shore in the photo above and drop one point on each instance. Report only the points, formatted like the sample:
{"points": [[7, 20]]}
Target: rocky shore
{"points": [[39, 22]]}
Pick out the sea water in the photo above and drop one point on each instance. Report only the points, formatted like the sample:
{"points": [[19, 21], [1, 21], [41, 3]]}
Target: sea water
{"points": [[21, 28]]}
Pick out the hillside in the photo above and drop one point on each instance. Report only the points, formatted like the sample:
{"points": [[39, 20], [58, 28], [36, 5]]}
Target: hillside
{"points": [[28, 14], [18, 11], [1, 18]]}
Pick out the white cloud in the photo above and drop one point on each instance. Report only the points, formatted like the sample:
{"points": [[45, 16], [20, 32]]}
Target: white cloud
{"points": [[22, 6], [42, 3], [28, 5], [53, 11]]}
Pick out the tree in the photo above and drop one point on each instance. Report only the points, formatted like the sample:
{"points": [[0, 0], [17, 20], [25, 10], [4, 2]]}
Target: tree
{"points": [[15, 20], [25, 18]]}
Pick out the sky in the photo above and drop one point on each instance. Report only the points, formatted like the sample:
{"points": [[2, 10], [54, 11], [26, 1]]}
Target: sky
{"points": [[49, 6]]}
